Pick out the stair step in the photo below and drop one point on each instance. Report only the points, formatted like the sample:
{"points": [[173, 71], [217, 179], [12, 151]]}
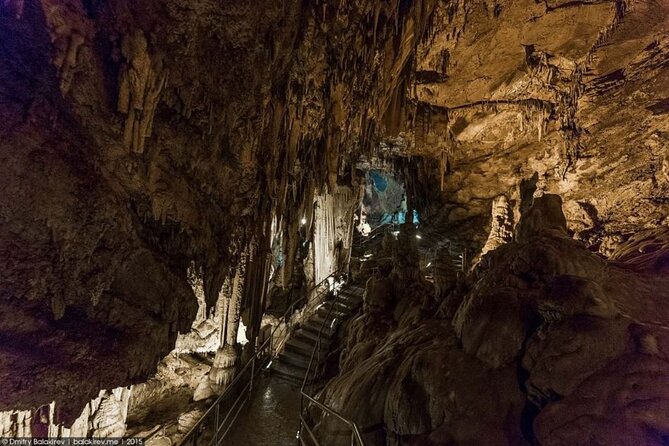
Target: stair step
{"points": [[353, 290], [325, 311], [316, 326], [304, 345], [339, 304], [319, 319], [288, 371], [339, 309], [352, 299], [325, 337], [294, 360]]}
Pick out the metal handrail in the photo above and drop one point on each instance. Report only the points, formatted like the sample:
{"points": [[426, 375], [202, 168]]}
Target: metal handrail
{"points": [[374, 233], [261, 354], [291, 308], [350, 423], [355, 435]]}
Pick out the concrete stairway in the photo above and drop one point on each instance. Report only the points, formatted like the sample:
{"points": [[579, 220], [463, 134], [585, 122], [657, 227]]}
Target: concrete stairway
{"points": [[293, 362]]}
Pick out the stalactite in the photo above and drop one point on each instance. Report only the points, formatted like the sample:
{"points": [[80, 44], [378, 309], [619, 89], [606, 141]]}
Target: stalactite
{"points": [[332, 231], [228, 317], [67, 34], [142, 80], [621, 8], [235, 300], [443, 163]]}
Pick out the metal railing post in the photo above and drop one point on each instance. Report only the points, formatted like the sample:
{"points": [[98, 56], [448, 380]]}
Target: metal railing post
{"points": [[218, 409], [299, 432], [253, 371]]}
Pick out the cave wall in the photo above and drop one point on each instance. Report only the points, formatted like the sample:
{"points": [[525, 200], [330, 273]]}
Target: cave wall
{"points": [[140, 138], [574, 91]]}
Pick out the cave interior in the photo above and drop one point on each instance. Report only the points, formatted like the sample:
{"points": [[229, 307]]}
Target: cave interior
{"points": [[388, 222]]}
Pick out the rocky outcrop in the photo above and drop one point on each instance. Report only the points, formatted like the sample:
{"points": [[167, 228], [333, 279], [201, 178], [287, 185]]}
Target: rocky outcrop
{"points": [[550, 344], [104, 416], [623, 403]]}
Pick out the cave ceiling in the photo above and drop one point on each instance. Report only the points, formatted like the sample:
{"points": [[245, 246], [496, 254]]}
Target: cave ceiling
{"points": [[575, 91]]}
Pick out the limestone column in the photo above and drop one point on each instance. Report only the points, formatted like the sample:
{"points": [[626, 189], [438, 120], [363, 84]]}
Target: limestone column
{"points": [[501, 226], [223, 370]]}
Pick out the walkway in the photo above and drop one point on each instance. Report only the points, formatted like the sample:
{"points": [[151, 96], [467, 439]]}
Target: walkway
{"points": [[270, 418]]}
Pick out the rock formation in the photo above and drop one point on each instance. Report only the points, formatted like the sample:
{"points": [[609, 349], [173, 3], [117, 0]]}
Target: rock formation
{"points": [[509, 88], [501, 226], [174, 170], [550, 344]]}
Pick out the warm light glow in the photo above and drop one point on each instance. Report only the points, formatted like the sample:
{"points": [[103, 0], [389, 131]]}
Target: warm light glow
{"points": [[303, 221], [241, 334], [418, 236]]}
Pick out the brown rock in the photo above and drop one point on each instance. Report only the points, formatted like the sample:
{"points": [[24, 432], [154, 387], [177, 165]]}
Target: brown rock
{"points": [[625, 403]]}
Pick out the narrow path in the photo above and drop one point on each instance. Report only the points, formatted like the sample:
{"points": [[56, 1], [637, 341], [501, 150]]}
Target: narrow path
{"points": [[270, 417]]}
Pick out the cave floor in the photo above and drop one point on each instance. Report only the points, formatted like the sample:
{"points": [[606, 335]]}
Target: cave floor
{"points": [[271, 416]]}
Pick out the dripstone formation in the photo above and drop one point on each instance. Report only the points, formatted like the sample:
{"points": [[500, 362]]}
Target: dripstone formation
{"points": [[175, 174]]}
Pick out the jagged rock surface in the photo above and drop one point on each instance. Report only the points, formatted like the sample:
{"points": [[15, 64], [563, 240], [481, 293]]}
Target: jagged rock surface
{"points": [[550, 344]]}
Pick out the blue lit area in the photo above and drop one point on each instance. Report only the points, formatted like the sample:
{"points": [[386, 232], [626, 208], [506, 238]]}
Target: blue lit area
{"points": [[379, 180], [385, 200]]}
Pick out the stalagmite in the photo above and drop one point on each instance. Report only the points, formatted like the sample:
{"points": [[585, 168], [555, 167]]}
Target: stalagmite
{"points": [[501, 224], [445, 274], [227, 317], [109, 419], [223, 368], [104, 416]]}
